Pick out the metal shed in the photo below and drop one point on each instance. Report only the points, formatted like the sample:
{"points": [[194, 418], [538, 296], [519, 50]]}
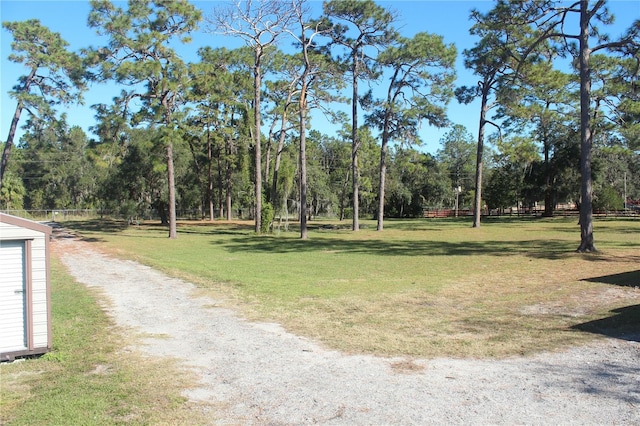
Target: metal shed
{"points": [[25, 293]]}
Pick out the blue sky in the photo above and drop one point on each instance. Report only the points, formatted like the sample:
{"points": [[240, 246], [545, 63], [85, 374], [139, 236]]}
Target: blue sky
{"points": [[446, 18]]}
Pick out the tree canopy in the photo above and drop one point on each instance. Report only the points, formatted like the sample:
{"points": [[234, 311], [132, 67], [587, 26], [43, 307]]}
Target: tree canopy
{"points": [[198, 137]]}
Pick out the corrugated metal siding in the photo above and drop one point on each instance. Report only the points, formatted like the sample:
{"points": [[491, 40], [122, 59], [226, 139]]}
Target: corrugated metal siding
{"points": [[12, 296], [39, 292]]}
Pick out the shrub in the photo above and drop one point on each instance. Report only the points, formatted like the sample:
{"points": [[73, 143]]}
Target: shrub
{"points": [[268, 213], [608, 199]]}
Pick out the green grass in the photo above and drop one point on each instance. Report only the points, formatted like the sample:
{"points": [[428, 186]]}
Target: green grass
{"points": [[420, 288], [90, 377]]}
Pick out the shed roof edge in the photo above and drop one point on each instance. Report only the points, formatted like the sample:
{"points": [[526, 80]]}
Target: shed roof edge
{"points": [[25, 223]]}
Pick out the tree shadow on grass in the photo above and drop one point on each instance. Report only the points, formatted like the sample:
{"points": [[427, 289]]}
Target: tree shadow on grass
{"points": [[222, 228], [623, 323], [543, 249], [97, 225], [242, 239], [105, 226], [624, 279], [195, 227], [68, 230]]}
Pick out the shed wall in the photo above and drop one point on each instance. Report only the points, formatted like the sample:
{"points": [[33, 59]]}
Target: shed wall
{"points": [[35, 237], [12, 305]]}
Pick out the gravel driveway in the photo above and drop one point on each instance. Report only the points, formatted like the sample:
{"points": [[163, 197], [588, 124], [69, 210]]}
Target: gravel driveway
{"points": [[257, 373]]}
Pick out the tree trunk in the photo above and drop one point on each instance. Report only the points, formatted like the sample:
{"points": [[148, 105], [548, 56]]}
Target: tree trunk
{"points": [[258, 155], [221, 208], [586, 189], [7, 147], [209, 175], [354, 149], [548, 190], [383, 171], [343, 194], [303, 163], [276, 166], [173, 233], [477, 202], [549, 204], [267, 159], [227, 179], [14, 126]]}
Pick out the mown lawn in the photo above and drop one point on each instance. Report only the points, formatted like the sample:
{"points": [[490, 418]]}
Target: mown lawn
{"points": [[422, 288]]}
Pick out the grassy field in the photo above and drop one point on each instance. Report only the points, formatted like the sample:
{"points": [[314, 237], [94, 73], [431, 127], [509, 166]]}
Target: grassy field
{"points": [[422, 288], [90, 377]]}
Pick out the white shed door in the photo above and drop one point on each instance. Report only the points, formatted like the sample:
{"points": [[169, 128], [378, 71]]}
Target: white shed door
{"points": [[12, 296]]}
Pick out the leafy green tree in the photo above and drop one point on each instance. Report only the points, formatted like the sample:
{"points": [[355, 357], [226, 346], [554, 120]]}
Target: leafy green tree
{"points": [[457, 155], [632, 179], [281, 92], [139, 55], [416, 181], [320, 194], [337, 163], [564, 165], [190, 196], [219, 90], [286, 183], [608, 199], [612, 170], [202, 161], [420, 86], [628, 107], [106, 154], [209, 79], [402, 180], [551, 20], [369, 155], [13, 192], [369, 26], [81, 176], [113, 131], [614, 97], [491, 60], [136, 187], [515, 159], [399, 194], [259, 24], [54, 76], [318, 75], [57, 171], [540, 102], [501, 190]]}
